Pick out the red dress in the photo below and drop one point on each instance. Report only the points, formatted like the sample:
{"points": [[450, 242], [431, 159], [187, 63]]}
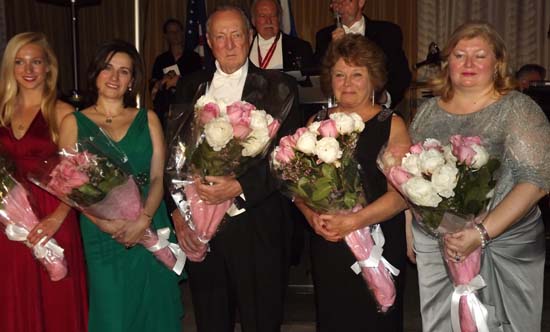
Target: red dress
{"points": [[29, 300]]}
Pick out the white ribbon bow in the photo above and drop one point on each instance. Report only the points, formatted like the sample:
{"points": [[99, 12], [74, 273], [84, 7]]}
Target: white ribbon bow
{"points": [[164, 235], [375, 256], [19, 234], [477, 309]]}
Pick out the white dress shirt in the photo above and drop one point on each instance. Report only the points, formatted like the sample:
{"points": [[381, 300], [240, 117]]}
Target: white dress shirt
{"points": [[276, 61], [228, 87]]}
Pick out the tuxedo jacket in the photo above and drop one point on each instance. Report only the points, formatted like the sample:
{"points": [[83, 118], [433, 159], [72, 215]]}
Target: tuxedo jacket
{"points": [[297, 53], [273, 92], [389, 38]]}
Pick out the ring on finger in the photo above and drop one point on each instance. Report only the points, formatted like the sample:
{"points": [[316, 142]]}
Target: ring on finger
{"points": [[457, 257], [39, 231]]}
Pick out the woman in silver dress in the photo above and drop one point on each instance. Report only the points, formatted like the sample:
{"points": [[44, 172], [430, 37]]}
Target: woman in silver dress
{"points": [[475, 96]]}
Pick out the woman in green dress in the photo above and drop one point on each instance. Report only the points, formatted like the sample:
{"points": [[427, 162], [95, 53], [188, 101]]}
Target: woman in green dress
{"points": [[129, 290]]}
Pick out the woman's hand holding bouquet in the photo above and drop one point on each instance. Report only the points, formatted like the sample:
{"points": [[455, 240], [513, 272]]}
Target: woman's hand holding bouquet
{"points": [[17, 217], [318, 169], [220, 143], [110, 197], [449, 188]]}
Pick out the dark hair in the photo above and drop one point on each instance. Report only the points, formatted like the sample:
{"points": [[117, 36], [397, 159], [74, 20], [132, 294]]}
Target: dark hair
{"points": [[356, 50], [171, 21], [531, 67], [103, 55]]}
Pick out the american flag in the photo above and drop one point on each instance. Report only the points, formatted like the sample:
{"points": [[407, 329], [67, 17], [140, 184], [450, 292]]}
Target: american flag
{"points": [[195, 29]]}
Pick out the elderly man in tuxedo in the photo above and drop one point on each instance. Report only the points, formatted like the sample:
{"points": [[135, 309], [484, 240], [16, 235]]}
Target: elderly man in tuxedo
{"points": [[271, 48], [386, 35], [247, 266]]}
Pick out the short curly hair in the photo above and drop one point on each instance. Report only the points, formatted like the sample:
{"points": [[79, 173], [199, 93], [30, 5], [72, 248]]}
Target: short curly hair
{"points": [[358, 51], [503, 80]]}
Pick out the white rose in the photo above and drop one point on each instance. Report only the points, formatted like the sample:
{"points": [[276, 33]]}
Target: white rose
{"points": [[269, 118], [430, 160], [358, 124], [255, 143], [411, 162], [218, 133], [344, 123], [444, 180], [314, 127], [258, 119], [421, 192], [276, 164], [328, 150], [431, 143], [306, 143], [448, 154], [481, 157]]}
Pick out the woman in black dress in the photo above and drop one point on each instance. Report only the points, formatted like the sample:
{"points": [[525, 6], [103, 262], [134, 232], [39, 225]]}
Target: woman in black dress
{"points": [[353, 71]]}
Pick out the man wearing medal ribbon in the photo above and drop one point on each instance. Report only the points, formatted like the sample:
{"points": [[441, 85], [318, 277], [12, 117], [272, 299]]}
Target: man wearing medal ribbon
{"points": [[271, 48]]}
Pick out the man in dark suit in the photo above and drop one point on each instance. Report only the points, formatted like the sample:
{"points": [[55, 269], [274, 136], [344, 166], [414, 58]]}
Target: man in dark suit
{"points": [[271, 48], [385, 34], [247, 266]]}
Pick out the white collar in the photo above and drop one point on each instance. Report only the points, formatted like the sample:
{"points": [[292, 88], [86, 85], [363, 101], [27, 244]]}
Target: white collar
{"points": [[357, 27], [265, 42], [234, 75]]}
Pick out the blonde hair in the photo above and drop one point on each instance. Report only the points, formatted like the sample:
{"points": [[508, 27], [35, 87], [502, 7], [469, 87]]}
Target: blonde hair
{"points": [[503, 81], [9, 88]]}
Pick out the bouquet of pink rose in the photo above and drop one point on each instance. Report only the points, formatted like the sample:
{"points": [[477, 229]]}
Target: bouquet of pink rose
{"points": [[220, 140], [100, 187], [449, 188], [317, 165], [17, 217]]}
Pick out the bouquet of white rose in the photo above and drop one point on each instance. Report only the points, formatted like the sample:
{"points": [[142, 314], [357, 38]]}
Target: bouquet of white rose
{"points": [[449, 188], [317, 165], [219, 140]]}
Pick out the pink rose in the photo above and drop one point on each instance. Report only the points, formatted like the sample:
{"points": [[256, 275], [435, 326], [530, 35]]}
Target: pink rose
{"points": [[462, 148], [288, 141], [241, 131], [273, 127], [327, 128], [83, 158], [284, 154], [398, 175], [239, 113], [77, 179], [209, 112], [417, 148], [299, 132]]}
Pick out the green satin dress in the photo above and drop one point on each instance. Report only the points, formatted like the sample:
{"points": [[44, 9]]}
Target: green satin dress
{"points": [[129, 290]]}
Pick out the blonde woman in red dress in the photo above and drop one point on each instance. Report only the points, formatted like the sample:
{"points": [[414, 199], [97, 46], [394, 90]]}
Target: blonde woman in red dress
{"points": [[29, 118]]}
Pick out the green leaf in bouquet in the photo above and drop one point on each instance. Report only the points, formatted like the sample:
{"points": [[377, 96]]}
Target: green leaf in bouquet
{"points": [[322, 188], [302, 188], [111, 182], [474, 187], [350, 200], [432, 217], [86, 195]]}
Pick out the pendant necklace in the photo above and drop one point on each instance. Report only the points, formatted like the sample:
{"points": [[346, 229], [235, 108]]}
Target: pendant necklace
{"points": [[108, 116]]}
